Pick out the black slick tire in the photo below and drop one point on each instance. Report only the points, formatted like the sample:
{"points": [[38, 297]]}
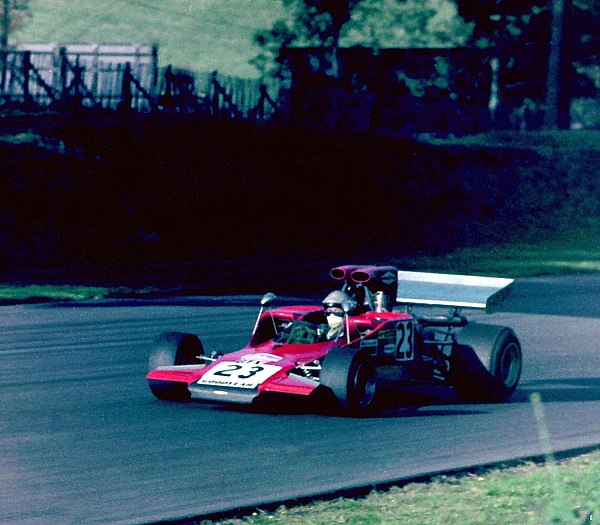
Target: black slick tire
{"points": [[352, 377], [494, 382], [169, 349]]}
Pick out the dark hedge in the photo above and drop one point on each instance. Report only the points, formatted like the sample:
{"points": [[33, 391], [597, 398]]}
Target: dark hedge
{"points": [[94, 190]]}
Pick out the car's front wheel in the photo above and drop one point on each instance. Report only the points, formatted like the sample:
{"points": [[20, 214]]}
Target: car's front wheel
{"points": [[171, 349], [352, 377]]}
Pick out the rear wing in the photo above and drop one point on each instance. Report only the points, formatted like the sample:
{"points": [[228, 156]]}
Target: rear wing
{"points": [[460, 291]]}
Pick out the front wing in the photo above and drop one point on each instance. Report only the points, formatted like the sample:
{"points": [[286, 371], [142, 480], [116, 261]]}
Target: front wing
{"points": [[233, 381]]}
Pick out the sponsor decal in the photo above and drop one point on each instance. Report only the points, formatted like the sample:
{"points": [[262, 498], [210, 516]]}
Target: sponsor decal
{"points": [[389, 278], [260, 358], [369, 344], [386, 340]]}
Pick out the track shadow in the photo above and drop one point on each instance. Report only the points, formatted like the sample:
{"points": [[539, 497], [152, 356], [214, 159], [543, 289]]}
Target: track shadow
{"points": [[573, 295], [578, 389], [413, 402], [425, 401], [422, 401]]}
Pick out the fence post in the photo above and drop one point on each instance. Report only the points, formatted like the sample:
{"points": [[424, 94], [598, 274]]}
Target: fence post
{"points": [[64, 95], [4, 66], [126, 94], [77, 81], [264, 96], [154, 69], [26, 75], [215, 95], [167, 97]]}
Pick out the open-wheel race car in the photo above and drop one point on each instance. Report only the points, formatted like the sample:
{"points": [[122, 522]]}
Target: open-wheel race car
{"points": [[337, 346]]}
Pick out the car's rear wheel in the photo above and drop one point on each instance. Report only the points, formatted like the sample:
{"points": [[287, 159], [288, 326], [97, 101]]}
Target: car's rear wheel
{"points": [[169, 349], [492, 382], [352, 377]]}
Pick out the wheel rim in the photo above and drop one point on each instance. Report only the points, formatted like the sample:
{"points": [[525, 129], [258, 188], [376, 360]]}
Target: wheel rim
{"points": [[510, 365], [364, 385]]}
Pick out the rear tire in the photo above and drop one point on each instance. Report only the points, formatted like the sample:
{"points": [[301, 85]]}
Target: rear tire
{"points": [[352, 377], [494, 382], [173, 348]]}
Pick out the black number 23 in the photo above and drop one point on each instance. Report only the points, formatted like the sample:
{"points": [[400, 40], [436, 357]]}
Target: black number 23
{"points": [[232, 368]]}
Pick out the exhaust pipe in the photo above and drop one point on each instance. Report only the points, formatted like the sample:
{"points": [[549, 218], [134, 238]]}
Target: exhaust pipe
{"points": [[387, 275], [342, 273]]}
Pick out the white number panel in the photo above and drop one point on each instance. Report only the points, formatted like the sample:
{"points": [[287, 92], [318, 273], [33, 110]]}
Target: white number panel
{"points": [[405, 341], [238, 375]]}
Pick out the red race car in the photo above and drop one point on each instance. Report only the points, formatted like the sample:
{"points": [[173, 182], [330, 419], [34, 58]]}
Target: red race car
{"points": [[337, 347]]}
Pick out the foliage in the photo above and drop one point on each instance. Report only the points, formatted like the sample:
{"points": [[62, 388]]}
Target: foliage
{"points": [[13, 16], [493, 18], [322, 20], [496, 21], [309, 23], [369, 23], [552, 44], [410, 23]]}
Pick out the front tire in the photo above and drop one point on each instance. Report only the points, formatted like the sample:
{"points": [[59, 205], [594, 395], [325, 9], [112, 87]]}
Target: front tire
{"points": [[352, 377], [494, 382], [172, 349]]}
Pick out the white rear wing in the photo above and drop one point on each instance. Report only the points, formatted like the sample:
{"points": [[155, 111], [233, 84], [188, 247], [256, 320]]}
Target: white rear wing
{"points": [[461, 291]]}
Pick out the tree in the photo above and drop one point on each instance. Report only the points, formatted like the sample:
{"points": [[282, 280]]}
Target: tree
{"points": [[545, 50], [310, 23], [555, 65], [323, 20], [367, 23], [406, 24], [14, 14]]}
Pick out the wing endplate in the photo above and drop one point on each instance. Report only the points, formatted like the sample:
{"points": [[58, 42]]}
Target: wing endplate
{"points": [[461, 291]]}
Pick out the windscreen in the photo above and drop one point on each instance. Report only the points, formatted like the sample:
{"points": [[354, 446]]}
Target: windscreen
{"points": [[302, 333]]}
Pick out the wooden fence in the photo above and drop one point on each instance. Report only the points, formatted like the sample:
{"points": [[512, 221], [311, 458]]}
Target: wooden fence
{"points": [[124, 78]]}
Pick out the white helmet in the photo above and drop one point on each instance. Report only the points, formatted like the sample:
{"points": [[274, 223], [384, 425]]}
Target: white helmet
{"points": [[332, 305]]}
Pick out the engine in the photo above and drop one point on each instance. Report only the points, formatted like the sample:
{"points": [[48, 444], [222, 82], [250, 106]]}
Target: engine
{"points": [[374, 286]]}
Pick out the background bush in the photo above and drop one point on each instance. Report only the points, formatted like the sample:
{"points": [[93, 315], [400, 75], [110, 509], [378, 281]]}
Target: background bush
{"points": [[98, 190]]}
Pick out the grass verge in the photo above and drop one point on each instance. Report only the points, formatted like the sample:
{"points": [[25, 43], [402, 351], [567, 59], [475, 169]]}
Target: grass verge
{"points": [[39, 293], [525, 494], [572, 250], [575, 250]]}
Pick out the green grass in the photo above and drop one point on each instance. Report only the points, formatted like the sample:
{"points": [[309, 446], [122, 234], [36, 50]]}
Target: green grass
{"points": [[545, 143], [42, 292], [572, 251], [201, 36], [525, 494], [569, 241], [16, 293]]}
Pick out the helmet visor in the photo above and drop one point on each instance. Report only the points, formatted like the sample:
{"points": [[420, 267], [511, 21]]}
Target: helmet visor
{"points": [[334, 310]]}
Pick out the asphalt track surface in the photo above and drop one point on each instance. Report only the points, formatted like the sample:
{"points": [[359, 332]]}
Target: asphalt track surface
{"points": [[83, 441]]}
